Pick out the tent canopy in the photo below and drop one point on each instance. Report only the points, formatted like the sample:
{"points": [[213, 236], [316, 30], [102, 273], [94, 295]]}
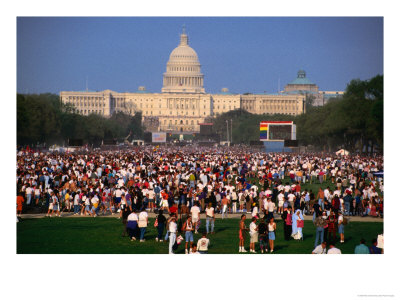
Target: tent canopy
{"points": [[342, 152]]}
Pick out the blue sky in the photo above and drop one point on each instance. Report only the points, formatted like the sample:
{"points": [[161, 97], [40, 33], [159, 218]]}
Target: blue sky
{"points": [[244, 54]]}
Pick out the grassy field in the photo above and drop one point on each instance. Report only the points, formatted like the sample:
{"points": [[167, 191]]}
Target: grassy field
{"points": [[104, 236]]}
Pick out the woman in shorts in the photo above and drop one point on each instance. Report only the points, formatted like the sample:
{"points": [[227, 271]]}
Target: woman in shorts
{"points": [[271, 234]]}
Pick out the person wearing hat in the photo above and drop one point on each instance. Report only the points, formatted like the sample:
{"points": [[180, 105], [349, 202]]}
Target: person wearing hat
{"points": [[254, 212]]}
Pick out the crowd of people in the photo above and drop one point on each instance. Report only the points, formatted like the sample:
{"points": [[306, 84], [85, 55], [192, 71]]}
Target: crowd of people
{"points": [[188, 182]]}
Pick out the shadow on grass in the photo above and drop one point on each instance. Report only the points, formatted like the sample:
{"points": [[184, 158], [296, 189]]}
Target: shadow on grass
{"points": [[279, 247]]}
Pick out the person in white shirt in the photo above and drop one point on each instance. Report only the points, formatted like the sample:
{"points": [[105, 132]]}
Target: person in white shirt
{"points": [[95, 204], [253, 234], [151, 196], [281, 200], [195, 211], [37, 192], [327, 193], [320, 249], [210, 218], [172, 228], [234, 199], [143, 220], [333, 249], [291, 198], [76, 204], [28, 192], [132, 223], [271, 208], [254, 212], [202, 244], [118, 195]]}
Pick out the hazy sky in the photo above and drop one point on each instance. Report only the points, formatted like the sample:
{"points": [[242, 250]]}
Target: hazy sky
{"points": [[244, 54]]}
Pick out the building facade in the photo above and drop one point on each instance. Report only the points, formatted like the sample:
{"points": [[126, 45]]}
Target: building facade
{"points": [[183, 103], [304, 86]]}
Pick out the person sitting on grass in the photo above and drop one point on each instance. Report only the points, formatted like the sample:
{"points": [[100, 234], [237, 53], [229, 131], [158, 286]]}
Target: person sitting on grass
{"points": [[203, 244], [333, 249], [361, 248], [193, 250], [320, 249], [374, 249]]}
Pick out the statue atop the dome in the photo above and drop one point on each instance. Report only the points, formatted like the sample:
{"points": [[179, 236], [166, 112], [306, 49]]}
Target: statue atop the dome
{"points": [[184, 37]]}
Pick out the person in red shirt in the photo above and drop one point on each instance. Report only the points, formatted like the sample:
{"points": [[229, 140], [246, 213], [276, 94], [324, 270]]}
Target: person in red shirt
{"points": [[174, 209], [297, 188], [20, 201], [332, 226]]}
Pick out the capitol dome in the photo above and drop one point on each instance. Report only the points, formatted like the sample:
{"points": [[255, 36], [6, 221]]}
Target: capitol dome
{"points": [[183, 73]]}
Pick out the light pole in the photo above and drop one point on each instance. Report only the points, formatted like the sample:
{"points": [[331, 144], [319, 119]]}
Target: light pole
{"points": [[227, 131], [231, 133]]}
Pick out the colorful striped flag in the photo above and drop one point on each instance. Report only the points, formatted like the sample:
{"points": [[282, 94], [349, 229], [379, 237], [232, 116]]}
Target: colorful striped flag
{"points": [[263, 131]]}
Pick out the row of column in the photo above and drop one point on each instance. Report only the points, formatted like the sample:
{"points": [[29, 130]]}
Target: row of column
{"points": [[186, 81]]}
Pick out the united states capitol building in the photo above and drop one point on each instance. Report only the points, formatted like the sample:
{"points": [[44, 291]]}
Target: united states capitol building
{"points": [[183, 103]]}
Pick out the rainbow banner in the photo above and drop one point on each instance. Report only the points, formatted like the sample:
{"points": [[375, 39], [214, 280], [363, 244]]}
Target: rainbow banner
{"points": [[263, 131]]}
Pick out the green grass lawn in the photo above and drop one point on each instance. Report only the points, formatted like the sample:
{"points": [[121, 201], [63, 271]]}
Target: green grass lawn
{"points": [[104, 236]]}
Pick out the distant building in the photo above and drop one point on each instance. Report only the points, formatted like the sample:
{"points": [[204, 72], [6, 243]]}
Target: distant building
{"points": [[303, 86], [183, 103]]}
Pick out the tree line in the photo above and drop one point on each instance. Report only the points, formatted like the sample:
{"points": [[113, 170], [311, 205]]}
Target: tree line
{"points": [[354, 121], [45, 119]]}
